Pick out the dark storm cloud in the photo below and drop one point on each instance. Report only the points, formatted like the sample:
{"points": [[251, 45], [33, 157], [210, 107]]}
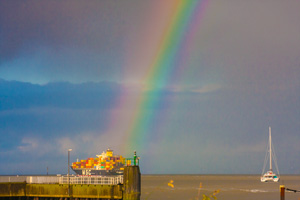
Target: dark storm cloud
{"points": [[96, 25]]}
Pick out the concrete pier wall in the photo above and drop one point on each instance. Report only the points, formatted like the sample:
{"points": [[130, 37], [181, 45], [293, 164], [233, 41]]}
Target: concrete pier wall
{"points": [[12, 189], [60, 191], [132, 183]]}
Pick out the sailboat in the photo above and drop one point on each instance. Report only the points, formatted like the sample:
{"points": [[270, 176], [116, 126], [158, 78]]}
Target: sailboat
{"points": [[270, 175]]}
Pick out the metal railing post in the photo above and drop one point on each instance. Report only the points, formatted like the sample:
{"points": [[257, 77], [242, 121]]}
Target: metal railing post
{"points": [[69, 150]]}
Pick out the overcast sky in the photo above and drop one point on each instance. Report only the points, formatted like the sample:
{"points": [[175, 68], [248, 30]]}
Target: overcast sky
{"points": [[71, 73]]}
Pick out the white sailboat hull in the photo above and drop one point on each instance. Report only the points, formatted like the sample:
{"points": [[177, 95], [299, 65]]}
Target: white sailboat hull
{"points": [[269, 177]]}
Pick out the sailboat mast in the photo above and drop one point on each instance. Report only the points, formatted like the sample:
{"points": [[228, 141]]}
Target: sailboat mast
{"points": [[270, 144]]}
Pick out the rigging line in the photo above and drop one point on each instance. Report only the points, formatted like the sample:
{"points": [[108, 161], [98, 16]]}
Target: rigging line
{"points": [[275, 158], [266, 160]]}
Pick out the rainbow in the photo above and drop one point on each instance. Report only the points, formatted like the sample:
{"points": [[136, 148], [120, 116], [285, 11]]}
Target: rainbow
{"points": [[167, 66]]}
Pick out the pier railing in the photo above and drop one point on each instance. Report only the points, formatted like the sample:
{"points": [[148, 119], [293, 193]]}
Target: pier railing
{"points": [[100, 180]]}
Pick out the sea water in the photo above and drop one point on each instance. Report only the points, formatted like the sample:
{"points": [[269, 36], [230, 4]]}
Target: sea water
{"points": [[222, 187]]}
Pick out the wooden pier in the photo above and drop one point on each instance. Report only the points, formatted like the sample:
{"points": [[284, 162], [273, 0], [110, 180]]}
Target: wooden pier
{"points": [[130, 190]]}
